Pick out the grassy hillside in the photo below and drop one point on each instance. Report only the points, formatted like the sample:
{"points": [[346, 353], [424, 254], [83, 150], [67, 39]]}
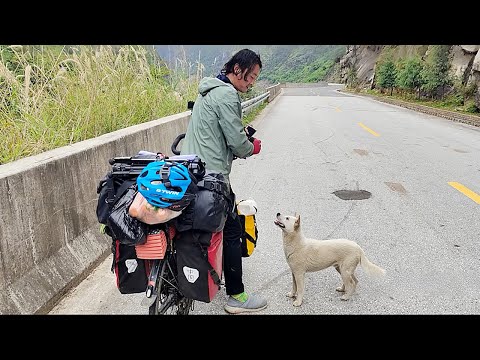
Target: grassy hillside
{"points": [[51, 96], [300, 63]]}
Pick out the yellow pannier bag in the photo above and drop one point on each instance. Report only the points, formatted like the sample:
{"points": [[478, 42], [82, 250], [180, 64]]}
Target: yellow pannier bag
{"points": [[249, 226]]}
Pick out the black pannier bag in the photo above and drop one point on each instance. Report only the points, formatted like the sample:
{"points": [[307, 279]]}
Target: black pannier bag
{"points": [[208, 211], [199, 263], [130, 272]]}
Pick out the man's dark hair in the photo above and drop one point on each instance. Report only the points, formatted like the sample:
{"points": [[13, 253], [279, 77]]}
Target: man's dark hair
{"points": [[246, 59]]}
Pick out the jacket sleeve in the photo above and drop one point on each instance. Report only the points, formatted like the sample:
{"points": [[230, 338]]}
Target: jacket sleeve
{"points": [[230, 115]]}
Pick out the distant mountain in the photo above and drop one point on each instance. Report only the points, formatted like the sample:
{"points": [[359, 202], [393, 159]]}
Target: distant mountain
{"points": [[281, 63]]}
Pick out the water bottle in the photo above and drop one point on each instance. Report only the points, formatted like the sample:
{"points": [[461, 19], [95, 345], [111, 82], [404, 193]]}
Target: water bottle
{"points": [[247, 207]]}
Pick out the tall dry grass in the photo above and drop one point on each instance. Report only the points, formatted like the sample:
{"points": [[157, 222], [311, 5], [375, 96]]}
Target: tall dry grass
{"points": [[52, 96]]}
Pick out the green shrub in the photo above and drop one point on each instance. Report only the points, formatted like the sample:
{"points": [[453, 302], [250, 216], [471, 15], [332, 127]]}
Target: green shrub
{"points": [[472, 108]]}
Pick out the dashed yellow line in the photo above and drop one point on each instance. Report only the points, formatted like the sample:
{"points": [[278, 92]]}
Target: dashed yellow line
{"points": [[369, 130], [465, 191]]}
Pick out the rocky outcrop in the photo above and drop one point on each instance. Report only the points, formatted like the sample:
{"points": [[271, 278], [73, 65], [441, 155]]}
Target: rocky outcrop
{"points": [[470, 48], [466, 63], [362, 58]]}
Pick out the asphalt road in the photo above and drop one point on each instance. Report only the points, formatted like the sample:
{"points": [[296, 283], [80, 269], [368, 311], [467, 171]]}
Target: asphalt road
{"points": [[420, 226]]}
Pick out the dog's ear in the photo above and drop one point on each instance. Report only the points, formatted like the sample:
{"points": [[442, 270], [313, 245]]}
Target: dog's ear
{"points": [[297, 222]]}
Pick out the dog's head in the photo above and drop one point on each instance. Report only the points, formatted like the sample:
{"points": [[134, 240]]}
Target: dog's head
{"points": [[288, 223]]}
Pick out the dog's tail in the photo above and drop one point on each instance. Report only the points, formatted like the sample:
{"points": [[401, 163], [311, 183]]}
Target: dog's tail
{"points": [[369, 267]]}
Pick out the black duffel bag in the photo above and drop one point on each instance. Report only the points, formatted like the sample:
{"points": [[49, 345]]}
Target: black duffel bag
{"points": [[208, 211], [122, 226]]}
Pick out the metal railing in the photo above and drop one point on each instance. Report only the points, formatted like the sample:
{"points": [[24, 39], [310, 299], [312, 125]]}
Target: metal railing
{"points": [[251, 104]]}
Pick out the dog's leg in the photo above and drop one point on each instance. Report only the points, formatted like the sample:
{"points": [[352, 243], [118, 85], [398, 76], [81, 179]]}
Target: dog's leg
{"points": [[349, 283], [293, 293], [342, 287], [355, 280], [300, 281]]}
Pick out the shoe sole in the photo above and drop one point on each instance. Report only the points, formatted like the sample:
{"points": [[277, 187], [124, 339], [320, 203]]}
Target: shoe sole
{"points": [[237, 310]]}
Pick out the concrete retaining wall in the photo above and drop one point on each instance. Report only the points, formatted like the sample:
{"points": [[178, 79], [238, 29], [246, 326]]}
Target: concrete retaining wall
{"points": [[274, 90]]}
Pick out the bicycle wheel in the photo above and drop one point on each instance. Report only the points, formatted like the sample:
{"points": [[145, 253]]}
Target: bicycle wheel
{"points": [[169, 300]]}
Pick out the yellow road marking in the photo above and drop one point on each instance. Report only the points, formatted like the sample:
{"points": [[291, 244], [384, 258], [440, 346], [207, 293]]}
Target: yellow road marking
{"points": [[369, 130], [465, 191], [338, 110]]}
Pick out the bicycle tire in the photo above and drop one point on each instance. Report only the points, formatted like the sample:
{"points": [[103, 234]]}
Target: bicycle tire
{"points": [[168, 299]]}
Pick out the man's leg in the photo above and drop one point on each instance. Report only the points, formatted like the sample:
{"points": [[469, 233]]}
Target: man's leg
{"points": [[232, 255], [239, 301]]}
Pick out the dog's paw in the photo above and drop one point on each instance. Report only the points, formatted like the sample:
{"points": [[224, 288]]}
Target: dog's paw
{"points": [[297, 303], [290, 294], [340, 288], [344, 297]]}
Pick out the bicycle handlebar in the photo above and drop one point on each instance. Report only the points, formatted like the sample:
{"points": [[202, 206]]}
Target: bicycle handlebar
{"points": [[175, 143]]}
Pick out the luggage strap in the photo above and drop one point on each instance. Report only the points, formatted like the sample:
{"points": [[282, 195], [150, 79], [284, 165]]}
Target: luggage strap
{"points": [[111, 198], [211, 270], [213, 186]]}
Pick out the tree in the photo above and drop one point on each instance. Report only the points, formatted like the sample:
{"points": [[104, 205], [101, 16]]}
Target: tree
{"points": [[386, 75], [409, 74], [435, 74], [351, 78]]}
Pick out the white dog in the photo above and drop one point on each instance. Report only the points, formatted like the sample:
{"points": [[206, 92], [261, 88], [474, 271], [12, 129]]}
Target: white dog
{"points": [[308, 255]]}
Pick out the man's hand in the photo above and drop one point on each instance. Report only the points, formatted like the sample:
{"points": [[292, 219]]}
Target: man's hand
{"points": [[257, 146]]}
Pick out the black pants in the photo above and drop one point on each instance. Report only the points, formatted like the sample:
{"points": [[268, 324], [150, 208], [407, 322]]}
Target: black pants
{"points": [[232, 252]]}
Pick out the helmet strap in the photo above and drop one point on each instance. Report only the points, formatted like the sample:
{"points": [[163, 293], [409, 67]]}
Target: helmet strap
{"points": [[165, 173]]}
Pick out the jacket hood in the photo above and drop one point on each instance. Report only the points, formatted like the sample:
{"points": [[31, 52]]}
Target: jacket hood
{"points": [[209, 83]]}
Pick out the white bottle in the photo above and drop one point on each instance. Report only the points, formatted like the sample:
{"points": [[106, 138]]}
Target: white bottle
{"points": [[247, 207]]}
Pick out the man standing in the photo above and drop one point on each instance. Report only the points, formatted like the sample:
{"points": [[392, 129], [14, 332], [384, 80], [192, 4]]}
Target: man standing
{"points": [[216, 134]]}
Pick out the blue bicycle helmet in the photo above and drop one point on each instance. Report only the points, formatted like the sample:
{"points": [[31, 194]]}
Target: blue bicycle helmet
{"points": [[167, 185]]}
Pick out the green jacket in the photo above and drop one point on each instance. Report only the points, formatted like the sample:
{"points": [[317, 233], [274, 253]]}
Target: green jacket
{"points": [[215, 132]]}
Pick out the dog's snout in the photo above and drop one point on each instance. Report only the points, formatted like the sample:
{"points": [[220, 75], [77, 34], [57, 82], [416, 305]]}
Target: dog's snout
{"points": [[278, 214]]}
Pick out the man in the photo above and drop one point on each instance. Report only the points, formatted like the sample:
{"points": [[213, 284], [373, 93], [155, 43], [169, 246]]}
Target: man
{"points": [[216, 134]]}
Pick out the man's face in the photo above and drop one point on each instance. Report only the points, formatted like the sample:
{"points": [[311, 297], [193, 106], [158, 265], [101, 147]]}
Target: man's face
{"points": [[240, 83]]}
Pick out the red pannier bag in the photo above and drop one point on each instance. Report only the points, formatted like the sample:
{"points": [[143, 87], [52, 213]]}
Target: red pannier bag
{"points": [[131, 273], [199, 263]]}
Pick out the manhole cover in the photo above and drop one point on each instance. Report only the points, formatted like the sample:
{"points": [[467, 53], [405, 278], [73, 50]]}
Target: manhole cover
{"points": [[353, 194]]}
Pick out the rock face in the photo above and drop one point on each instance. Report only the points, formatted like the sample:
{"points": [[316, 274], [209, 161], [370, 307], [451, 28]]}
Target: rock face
{"points": [[363, 59], [470, 48], [465, 62]]}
